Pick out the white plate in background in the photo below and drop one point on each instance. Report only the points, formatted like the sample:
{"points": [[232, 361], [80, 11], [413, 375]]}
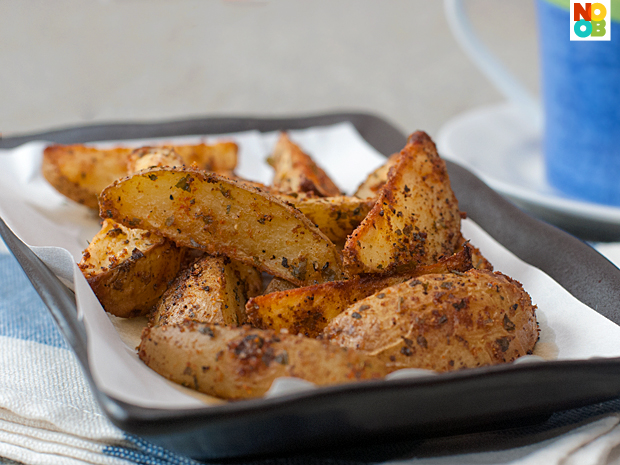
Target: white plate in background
{"points": [[503, 148]]}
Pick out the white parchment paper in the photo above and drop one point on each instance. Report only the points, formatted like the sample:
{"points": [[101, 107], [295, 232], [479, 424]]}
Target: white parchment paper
{"points": [[58, 230]]}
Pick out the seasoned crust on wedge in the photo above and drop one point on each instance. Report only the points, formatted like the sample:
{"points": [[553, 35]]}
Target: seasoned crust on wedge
{"points": [[81, 172], [210, 290], [129, 269], [415, 219], [242, 362], [307, 310], [219, 215], [442, 322]]}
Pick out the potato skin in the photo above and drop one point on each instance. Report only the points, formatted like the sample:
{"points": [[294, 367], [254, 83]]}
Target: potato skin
{"points": [[129, 269], [210, 290], [307, 310], [416, 218], [441, 322], [242, 362], [222, 216], [81, 172]]}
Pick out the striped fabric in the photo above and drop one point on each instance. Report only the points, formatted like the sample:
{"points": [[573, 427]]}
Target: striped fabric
{"points": [[47, 412]]}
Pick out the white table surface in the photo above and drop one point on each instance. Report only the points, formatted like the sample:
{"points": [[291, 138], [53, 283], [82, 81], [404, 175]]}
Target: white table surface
{"points": [[71, 62]]}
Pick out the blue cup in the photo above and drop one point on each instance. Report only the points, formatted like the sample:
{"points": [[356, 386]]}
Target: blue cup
{"points": [[581, 100], [580, 117]]}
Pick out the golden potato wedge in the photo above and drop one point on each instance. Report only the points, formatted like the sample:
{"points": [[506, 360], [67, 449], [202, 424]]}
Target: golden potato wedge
{"points": [[242, 362], [307, 310], [441, 322], [221, 216], [148, 157], [376, 180], [211, 290], [337, 217], [80, 172], [218, 157], [129, 269], [416, 218], [295, 171]]}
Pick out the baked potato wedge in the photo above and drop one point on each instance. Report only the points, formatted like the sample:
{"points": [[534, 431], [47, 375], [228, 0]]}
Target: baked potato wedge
{"points": [[337, 217], [376, 180], [416, 218], [307, 310], [296, 171], [219, 157], [242, 362], [441, 322], [211, 290], [221, 216], [81, 172], [148, 157], [129, 269]]}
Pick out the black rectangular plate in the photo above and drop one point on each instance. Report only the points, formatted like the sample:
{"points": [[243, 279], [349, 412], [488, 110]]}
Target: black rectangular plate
{"points": [[481, 398]]}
